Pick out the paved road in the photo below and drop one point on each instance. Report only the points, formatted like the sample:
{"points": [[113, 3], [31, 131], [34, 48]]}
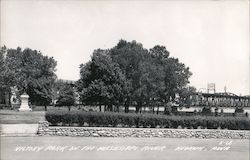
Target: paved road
{"points": [[77, 148]]}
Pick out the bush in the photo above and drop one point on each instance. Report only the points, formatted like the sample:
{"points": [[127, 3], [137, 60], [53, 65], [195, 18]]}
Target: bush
{"points": [[206, 111], [107, 119], [239, 110]]}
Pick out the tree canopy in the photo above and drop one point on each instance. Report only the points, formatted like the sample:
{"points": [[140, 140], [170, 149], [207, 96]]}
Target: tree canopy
{"points": [[66, 95], [129, 74], [3, 76], [102, 81], [30, 72]]}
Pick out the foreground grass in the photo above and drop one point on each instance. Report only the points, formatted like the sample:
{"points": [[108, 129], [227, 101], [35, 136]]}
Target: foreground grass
{"points": [[16, 117]]}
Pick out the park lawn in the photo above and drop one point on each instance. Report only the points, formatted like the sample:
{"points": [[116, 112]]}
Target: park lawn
{"points": [[37, 114], [16, 117]]}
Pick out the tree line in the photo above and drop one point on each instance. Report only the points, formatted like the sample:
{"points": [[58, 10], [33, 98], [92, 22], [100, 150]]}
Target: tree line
{"points": [[129, 74], [126, 75], [29, 71]]}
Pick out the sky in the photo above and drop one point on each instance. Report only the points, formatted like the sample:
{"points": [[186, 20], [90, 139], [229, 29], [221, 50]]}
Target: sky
{"points": [[209, 36]]}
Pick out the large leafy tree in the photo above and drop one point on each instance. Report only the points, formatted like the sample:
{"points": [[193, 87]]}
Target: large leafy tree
{"points": [[2, 54], [175, 75], [3, 85], [143, 77], [31, 72], [66, 95], [101, 82], [130, 56], [2, 66], [185, 95]]}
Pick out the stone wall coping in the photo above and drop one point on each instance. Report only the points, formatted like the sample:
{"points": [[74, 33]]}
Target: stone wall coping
{"points": [[129, 128]]}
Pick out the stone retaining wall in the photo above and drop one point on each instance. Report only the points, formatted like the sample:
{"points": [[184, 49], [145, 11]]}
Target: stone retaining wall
{"points": [[46, 130]]}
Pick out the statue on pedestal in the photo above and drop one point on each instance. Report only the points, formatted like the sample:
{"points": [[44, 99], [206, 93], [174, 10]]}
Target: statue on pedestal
{"points": [[24, 102]]}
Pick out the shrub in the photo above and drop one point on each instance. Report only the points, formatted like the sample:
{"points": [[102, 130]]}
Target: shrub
{"points": [[212, 123], [206, 111], [239, 110], [144, 120]]}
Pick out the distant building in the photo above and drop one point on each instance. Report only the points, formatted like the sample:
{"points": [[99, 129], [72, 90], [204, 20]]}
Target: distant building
{"points": [[220, 100]]}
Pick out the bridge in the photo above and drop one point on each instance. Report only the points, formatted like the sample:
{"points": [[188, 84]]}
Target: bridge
{"points": [[225, 99]]}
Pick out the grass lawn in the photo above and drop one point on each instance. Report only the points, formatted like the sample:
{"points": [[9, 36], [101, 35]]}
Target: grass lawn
{"points": [[16, 117], [37, 114]]}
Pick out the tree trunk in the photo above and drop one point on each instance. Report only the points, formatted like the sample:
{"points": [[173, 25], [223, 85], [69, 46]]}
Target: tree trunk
{"points": [[126, 106], [138, 107], [10, 104], [117, 109], [110, 107], [158, 106], [100, 107]]}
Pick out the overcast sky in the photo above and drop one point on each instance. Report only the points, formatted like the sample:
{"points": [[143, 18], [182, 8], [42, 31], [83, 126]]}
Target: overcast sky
{"points": [[211, 37]]}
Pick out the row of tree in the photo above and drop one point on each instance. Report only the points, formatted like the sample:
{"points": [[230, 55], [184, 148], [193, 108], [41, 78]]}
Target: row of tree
{"points": [[129, 74], [125, 75], [31, 72]]}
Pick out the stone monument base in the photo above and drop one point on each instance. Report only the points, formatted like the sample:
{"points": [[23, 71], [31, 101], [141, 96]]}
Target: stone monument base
{"points": [[24, 103], [24, 109]]}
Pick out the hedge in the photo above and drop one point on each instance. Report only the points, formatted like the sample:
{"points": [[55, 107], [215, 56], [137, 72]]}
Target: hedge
{"points": [[111, 119]]}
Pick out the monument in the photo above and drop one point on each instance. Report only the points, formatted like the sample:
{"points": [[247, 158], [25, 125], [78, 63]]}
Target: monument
{"points": [[24, 103]]}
